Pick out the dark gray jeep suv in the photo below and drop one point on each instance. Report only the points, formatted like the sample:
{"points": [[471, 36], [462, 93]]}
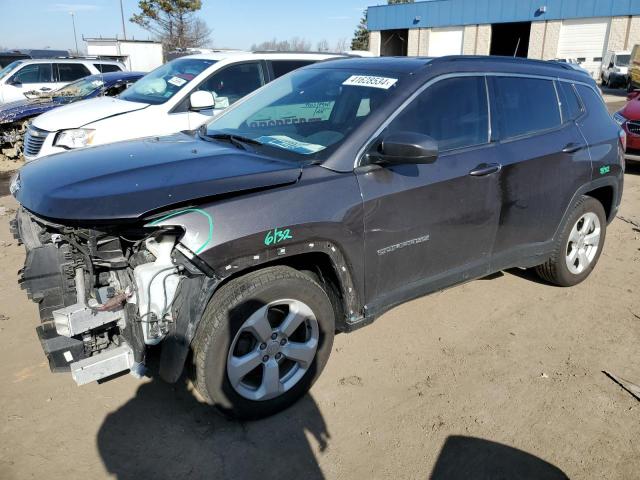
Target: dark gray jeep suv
{"points": [[309, 208]]}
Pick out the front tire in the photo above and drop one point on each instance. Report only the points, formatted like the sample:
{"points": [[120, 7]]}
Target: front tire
{"points": [[579, 245], [262, 342]]}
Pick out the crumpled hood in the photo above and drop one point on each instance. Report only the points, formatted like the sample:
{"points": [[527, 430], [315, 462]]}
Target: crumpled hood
{"points": [[23, 109], [126, 180], [83, 112]]}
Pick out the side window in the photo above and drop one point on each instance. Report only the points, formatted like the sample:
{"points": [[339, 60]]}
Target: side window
{"points": [[594, 105], [453, 112], [107, 67], [117, 89], [34, 73], [68, 72], [282, 67], [234, 82], [569, 103], [525, 105]]}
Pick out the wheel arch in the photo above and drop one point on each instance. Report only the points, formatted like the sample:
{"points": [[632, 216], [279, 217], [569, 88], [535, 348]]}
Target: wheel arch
{"points": [[326, 262]]}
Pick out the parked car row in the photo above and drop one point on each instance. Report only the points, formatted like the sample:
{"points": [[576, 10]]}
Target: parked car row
{"points": [[15, 116], [180, 95], [311, 205], [40, 76]]}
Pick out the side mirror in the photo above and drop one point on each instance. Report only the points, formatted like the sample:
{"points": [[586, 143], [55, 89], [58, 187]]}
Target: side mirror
{"points": [[633, 94], [201, 100], [405, 147], [15, 81]]}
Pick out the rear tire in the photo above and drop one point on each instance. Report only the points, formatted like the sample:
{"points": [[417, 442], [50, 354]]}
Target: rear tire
{"points": [[251, 360], [579, 245]]}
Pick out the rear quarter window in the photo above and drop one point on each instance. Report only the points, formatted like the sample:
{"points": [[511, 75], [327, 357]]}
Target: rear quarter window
{"points": [[595, 106], [525, 106], [68, 72], [107, 67], [282, 67]]}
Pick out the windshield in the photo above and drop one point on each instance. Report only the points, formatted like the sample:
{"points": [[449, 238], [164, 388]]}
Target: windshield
{"points": [[164, 82], [307, 111], [622, 60], [6, 70], [81, 88]]}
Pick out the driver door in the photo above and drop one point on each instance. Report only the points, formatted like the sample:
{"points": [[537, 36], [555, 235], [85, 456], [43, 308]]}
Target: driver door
{"points": [[432, 225], [33, 77]]}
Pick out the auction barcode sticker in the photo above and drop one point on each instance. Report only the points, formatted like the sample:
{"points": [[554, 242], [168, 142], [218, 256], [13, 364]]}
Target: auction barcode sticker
{"points": [[370, 81]]}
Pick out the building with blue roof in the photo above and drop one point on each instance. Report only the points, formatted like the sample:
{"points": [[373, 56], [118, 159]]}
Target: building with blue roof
{"points": [[583, 30]]}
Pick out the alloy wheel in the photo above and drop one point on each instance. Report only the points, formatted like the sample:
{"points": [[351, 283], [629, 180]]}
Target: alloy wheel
{"points": [[583, 243], [273, 349]]}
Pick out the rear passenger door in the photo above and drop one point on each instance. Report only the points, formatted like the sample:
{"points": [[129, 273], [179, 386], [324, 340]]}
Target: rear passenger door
{"points": [[431, 225], [544, 158]]}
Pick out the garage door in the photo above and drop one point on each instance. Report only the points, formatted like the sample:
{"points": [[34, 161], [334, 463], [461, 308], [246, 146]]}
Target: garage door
{"points": [[585, 40], [445, 41]]}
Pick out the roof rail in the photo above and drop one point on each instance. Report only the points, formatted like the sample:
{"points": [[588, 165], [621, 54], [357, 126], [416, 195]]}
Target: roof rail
{"points": [[295, 51], [498, 58]]}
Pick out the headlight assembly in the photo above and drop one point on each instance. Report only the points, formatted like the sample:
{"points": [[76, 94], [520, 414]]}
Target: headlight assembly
{"points": [[75, 138]]}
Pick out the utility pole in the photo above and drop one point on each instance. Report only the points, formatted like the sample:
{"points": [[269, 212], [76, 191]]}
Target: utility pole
{"points": [[75, 38], [124, 32]]}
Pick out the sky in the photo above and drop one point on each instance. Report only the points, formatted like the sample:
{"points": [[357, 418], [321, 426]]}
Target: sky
{"points": [[235, 23]]}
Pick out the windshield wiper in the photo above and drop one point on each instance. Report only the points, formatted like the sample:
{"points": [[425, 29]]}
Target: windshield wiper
{"points": [[237, 140]]}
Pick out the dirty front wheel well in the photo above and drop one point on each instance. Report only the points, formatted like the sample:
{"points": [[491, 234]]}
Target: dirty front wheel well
{"points": [[605, 196], [317, 265]]}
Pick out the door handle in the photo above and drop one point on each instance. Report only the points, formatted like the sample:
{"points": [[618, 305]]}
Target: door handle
{"points": [[485, 169], [45, 89], [572, 147]]}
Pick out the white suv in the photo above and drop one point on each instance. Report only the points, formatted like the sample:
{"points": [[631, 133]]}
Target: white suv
{"points": [[180, 95], [22, 76]]}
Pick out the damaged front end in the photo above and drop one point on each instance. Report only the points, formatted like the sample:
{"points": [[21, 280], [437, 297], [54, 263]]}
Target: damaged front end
{"points": [[103, 294], [12, 139]]}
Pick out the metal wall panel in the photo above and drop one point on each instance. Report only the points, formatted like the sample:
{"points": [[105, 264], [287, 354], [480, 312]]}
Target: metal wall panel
{"points": [[443, 13]]}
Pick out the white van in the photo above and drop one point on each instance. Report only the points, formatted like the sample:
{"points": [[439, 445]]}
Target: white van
{"points": [[614, 71], [46, 75], [180, 95]]}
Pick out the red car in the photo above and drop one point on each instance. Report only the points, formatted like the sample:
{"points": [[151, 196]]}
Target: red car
{"points": [[629, 119]]}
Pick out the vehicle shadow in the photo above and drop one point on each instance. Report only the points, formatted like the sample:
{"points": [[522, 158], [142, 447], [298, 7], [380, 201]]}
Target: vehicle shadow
{"points": [[165, 432], [468, 457], [632, 168]]}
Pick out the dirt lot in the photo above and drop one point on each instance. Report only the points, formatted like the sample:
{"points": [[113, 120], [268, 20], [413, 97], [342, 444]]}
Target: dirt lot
{"points": [[422, 392]]}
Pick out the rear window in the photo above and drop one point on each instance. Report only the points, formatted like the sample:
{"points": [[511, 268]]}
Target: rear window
{"points": [[107, 67], [68, 72], [282, 67], [569, 103], [525, 106]]}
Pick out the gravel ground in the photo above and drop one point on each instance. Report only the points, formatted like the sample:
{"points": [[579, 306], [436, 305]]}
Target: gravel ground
{"points": [[498, 378]]}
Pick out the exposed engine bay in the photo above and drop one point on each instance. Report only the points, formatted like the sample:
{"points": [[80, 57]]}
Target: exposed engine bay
{"points": [[104, 294]]}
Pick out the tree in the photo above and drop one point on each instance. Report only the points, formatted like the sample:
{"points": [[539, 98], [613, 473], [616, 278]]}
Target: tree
{"points": [[173, 22], [361, 35], [341, 45], [296, 44], [322, 46]]}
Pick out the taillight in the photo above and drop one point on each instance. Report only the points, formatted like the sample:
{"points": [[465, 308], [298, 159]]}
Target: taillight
{"points": [[622, 136]]}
